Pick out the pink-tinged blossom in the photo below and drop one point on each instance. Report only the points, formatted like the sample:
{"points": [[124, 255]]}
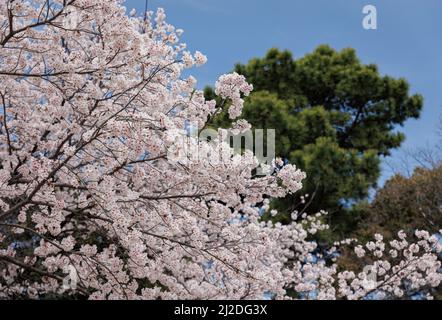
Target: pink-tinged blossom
{"points": [[200, 58], [291, 177], [232, 87], [241, 126], [360, 252]]}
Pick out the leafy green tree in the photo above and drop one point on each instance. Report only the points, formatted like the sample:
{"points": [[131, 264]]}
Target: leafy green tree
{"points": [[335, 117]]}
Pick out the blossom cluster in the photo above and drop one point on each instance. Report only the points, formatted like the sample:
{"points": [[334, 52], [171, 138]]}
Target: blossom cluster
{"points": [[232, 86]]}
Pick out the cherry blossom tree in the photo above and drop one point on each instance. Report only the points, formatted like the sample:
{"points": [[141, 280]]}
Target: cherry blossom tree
{"points": [[92, 205]]}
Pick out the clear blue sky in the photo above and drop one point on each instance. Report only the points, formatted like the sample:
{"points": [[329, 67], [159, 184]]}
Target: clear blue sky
{"points": [[407, 43]]}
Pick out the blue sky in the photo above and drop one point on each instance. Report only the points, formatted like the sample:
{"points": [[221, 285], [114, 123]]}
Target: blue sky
{"points": [[407, 43]]}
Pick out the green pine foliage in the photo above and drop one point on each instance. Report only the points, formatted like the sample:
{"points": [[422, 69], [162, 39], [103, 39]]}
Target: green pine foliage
{"points": [[334, 116]]}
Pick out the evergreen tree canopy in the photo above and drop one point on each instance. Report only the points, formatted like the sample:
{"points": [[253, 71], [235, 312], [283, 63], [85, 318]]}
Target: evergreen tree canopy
{"points": [[334, 116]]}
